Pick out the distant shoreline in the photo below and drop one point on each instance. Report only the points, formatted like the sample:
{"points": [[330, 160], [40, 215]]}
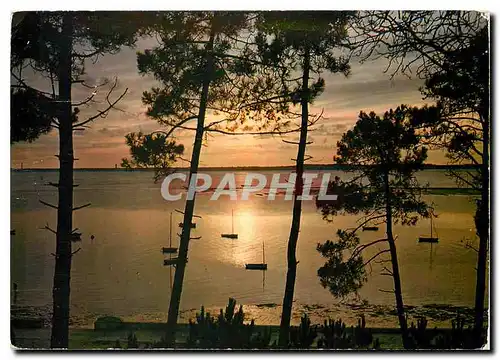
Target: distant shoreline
{"points": [[247, 168]]}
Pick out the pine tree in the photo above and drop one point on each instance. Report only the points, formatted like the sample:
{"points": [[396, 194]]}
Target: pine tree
{"points": [[56, 45], [301, 43], [384, 189], [203, 72]]}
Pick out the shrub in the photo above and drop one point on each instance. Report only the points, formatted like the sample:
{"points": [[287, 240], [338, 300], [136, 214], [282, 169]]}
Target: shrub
{"points": [[362, 335], [303, 336], [334, 335], [419, 337], [132, 342], [228, 330], [460, 337]]}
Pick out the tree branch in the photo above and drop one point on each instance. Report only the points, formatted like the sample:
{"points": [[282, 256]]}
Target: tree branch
{"points": [[367, 221], [103, 113], [386, 291], [46, 227], [47, 204], [81, 207], [375, 256], [360, 248]]}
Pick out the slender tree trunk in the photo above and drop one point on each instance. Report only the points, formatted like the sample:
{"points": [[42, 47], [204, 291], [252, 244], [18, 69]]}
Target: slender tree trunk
{"points": [[395, 266], [297, 210], [62, 272], [175, 299], [482, 227]]}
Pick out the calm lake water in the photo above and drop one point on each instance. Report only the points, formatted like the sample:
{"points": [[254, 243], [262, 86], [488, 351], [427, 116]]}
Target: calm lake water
{"points": [[121, 271]]}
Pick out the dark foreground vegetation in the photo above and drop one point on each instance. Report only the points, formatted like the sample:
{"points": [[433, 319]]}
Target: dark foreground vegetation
{"points": [[230, 329]]}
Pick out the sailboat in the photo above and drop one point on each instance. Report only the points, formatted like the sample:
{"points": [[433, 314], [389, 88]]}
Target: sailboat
{"points": [[232, 235], [169, 250], [429, 239], [262, 266]]}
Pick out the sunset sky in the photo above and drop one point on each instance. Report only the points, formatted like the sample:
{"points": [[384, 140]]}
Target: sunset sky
{"points": [[368, 88]]}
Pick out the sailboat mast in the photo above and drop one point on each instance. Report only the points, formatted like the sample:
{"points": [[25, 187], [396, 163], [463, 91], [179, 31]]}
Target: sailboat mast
{"points": [[232, 221], [170, 256], [263, 253], [170, 236], [431, 222], [431, 258]]}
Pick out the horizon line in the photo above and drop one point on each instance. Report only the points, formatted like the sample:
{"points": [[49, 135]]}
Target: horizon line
{"points": [[243, 167]]}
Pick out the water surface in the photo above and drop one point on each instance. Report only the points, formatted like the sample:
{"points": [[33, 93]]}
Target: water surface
{"points": [[121, 271]]}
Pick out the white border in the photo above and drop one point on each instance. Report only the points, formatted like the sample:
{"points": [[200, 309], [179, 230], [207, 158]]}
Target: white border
{"points": [[19, 5]]}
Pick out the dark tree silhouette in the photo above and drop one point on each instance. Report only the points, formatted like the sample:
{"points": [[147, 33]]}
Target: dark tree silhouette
{"points": [[32, 111], [154, 151], [384, 189], [30, 115], [460, 124], [450, 49], [206, 67], [191, 62], [415, 43], [302, 43], [55, 45]]}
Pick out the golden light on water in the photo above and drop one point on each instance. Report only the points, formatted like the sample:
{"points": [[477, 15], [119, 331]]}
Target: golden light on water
{"points": [[246, 248]]}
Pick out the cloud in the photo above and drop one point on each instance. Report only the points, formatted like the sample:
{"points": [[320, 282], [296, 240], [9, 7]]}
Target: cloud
{"points": [[367, 88], [332, 129]]}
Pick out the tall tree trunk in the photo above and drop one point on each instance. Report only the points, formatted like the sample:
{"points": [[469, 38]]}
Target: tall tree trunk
{"points": [[175, 298], [395, 266], [297, 209], [62, 272], [482, 228]]}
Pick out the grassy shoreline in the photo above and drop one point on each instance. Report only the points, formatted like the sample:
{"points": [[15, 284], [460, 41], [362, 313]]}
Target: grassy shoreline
{"points": [[147, 333]]}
